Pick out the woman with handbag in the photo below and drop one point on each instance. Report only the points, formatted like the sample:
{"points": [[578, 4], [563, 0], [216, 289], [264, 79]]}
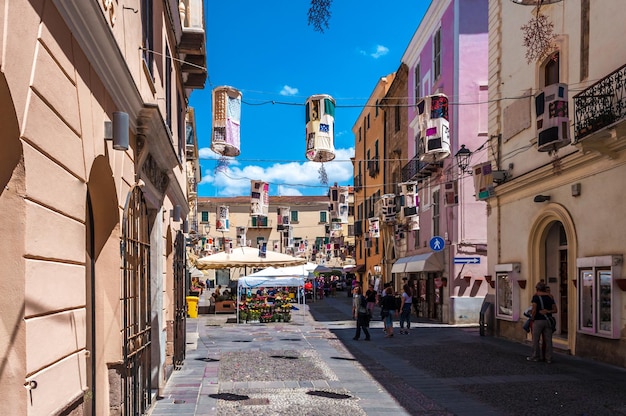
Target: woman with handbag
{"points": [[543, 323]]}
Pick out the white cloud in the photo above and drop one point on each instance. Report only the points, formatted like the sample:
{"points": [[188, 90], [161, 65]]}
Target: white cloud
{"points": [[287, 90], [291, 178], [288, 191], [380, 51]]}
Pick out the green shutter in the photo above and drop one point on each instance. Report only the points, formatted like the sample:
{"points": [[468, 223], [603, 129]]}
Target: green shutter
{"points": [[329, 107]]}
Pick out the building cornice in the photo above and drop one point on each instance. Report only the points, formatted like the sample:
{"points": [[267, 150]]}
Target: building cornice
{"points": [[92, 32]]}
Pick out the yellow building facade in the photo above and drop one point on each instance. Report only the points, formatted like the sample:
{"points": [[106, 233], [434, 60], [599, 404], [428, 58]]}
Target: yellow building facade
{"points": [[557, 129]]}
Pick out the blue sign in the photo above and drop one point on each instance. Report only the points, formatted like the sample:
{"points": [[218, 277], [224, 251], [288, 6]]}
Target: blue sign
{"points": [[466, 260], [437, 243]]}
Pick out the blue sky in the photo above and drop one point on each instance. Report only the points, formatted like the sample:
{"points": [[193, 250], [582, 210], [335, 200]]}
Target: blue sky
{"points": [[267, 50]]}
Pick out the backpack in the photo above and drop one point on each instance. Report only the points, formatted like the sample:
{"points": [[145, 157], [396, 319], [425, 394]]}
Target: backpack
{"points": [[363, 305]]}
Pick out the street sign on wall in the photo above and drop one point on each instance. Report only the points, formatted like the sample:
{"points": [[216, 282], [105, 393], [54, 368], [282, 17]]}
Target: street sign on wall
{"points": [[437, 243], [466, 260]]}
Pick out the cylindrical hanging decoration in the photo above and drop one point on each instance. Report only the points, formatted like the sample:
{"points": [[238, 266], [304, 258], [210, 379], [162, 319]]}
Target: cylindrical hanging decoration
{"points": [[222, 221], [320, 128], [225, 139], [434, 128], [259, 198]]}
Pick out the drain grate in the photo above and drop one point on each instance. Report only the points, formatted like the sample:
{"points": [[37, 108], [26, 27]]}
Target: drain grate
{"points": [[286, 357], [208, 359], [328, 394], [290, 339], [343, 358], [231, 397], [242, 340], [179, 401], [256, 402]]}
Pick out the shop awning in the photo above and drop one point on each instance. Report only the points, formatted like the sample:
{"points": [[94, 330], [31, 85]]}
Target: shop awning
{"points": [[428, 262], [400, 265]]}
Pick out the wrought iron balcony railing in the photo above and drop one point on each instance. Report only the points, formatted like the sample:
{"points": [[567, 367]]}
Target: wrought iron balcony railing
{"points": [[418, 170], [600, 105]]}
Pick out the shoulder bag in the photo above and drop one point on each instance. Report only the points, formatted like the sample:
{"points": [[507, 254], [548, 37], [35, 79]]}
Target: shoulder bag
{"points": [[551, 319]]}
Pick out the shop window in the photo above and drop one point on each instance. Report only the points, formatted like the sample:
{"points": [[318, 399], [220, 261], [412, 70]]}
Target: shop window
{"points": [[599, 295], [507, 291]]}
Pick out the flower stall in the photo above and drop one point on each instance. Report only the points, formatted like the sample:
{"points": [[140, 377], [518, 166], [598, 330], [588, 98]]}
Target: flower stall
{"points": [[254, 308]]}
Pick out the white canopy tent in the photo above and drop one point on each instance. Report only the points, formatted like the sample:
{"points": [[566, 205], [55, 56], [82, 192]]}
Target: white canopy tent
{"points": [[305, 270], [249, 282]]}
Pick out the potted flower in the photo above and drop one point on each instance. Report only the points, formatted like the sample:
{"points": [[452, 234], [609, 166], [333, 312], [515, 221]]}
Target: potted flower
{"points": [[243, 316]]}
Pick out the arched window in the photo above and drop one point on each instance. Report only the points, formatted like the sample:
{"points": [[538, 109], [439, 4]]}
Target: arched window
{"points": [[551, 69]]}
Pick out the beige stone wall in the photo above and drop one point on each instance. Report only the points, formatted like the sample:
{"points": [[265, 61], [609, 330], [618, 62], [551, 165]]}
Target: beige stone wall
{"points": [[54, 108], [593, 219]]}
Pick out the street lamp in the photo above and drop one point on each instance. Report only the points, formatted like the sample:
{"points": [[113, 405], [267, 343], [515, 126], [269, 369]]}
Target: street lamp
{"points": [[377, 269], [462, 158]]}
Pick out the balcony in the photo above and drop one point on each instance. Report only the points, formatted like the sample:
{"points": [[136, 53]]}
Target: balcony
{"points": [[193, 44], [418, 170], [259, 222], [601, 105]]}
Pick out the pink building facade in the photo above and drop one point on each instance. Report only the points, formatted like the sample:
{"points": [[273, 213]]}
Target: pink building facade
{"points": [[444, 259]]}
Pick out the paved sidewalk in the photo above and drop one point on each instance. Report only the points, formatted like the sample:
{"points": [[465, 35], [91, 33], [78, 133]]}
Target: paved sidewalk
{"points": [[311, 366]]}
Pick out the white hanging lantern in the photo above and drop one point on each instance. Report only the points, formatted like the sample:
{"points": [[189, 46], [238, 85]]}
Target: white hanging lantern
{"points": [[320, 128], [284, 214], [221, 221], [388, 207], [226, 121], [241, 236], [434, 128], [259, 199], [413, 222], [374, 228]]}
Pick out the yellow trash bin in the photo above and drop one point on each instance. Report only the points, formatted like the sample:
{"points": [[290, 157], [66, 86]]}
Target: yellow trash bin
{"points": [[192, 306]]}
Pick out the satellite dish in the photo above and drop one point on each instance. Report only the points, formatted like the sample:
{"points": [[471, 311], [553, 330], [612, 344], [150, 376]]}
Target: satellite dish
{"points": [[534, 2]]}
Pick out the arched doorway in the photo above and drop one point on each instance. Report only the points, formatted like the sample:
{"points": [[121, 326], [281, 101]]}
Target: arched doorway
{"points": [[552, 257], [136, 304], [102, 257], [556, 274]]}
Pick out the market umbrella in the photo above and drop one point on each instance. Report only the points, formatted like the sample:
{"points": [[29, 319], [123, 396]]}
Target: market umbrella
{"points": [[322, 269], [247, 257]]}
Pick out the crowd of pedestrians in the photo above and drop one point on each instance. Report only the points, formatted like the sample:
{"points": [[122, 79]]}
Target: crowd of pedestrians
{"points": [[392, 306]]}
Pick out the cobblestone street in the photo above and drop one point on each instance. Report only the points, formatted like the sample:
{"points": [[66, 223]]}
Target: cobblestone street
{"points": [[312, 366]]}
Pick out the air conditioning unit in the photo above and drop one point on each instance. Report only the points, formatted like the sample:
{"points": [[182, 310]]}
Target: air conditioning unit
{"points": [[434, 128], [551, 106]]}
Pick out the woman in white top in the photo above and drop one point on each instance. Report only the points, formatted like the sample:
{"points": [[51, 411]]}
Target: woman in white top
{"points": [[405, 309]]}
